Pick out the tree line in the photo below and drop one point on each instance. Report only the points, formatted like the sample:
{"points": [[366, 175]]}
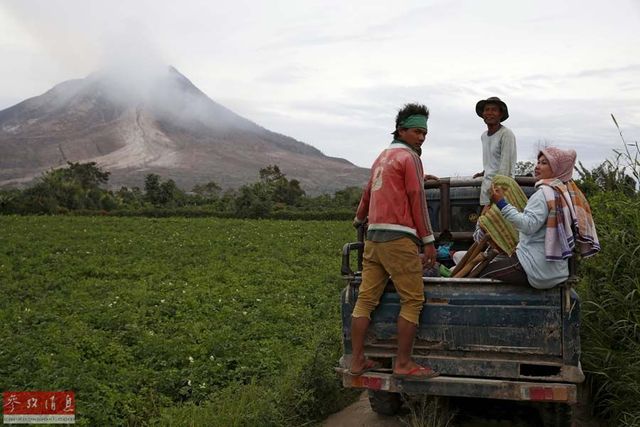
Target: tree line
{"points": [[81, 188]]}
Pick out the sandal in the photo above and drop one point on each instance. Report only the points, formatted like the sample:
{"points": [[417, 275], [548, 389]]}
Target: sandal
{"points": [[417, 373]]}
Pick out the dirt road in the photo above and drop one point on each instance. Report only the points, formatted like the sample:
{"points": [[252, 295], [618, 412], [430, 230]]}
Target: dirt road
{"points": [[359, 414]]}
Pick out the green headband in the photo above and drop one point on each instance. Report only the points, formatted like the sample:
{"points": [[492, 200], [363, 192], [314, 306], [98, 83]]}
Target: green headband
{"points": [[415, 121]]}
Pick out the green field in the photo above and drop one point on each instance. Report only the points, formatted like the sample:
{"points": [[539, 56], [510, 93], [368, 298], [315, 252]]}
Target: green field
{"points": [[174, 321]]}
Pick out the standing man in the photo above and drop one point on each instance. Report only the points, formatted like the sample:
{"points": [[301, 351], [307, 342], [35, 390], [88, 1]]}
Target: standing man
{"points": [[499, 154], [394, 203]]}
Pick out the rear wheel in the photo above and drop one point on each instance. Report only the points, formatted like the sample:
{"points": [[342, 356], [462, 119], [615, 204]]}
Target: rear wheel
{"points": [[384, 402]]}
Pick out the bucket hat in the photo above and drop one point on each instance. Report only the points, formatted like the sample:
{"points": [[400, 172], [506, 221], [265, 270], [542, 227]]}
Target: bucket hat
{"points": [[493, 100]]}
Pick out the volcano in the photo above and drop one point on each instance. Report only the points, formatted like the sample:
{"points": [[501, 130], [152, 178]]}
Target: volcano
{"points": [[161, 124]]}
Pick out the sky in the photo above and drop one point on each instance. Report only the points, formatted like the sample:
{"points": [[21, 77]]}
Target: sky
{"points": [[333, 74]]}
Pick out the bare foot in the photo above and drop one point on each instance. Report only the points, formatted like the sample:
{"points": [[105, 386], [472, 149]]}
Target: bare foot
{"points": [[365, 365]]}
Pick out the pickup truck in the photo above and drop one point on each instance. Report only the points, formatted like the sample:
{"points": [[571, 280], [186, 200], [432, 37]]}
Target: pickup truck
{"points": [[486, 338]]}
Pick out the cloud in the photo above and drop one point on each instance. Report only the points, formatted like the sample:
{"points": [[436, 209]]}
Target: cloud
{"points": [[334, 73], [608, 72], [357, 126], [283, 75]]}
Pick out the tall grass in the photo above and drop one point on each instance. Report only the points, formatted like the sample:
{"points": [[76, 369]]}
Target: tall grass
{"points": [[628, 157], [429, 411], [610, 289]]}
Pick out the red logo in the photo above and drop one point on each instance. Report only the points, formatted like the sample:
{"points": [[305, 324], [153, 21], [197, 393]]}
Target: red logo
{"points": [[24, 407]]}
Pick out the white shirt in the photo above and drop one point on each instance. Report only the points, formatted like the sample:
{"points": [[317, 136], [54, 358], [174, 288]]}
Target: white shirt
{"points": [[499, 157]]}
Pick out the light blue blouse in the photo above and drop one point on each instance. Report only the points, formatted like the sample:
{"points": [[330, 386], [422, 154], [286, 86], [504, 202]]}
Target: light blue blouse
{"points": [[532, 226]]}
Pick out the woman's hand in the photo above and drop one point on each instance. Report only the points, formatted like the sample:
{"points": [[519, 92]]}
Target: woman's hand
{"points": [[497, 193]]}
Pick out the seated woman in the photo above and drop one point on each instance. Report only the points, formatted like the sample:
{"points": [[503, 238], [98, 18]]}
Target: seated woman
{"points": [[556, 217]]}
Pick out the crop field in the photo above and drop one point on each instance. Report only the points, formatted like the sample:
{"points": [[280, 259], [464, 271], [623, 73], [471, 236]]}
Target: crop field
{"points": [[174, 321]]}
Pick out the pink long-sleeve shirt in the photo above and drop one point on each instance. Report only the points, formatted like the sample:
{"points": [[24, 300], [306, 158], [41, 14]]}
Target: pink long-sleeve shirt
{"points": [[394, 198]]}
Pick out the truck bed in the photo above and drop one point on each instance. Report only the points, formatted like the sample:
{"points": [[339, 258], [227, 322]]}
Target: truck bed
{"points": [[490, 338]]}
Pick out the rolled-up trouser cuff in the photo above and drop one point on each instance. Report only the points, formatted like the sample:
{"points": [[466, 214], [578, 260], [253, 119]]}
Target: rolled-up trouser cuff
{"points": [[411, 311], [359, 311]]}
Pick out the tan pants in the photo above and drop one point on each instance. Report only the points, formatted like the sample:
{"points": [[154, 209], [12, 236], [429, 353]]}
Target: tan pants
{"points": [[398, 259]]}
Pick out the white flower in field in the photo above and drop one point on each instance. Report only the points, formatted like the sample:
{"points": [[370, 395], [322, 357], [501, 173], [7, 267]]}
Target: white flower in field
{"points": [[190, 359], [110, 304], [244, 312], [189, 383], [203, 385], [219, 299], [211, 357], [258, 299], [162, 301], [184, 292]]}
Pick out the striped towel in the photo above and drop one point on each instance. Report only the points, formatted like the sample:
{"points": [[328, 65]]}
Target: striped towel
{"points": [[569, 216], [501, 231]]}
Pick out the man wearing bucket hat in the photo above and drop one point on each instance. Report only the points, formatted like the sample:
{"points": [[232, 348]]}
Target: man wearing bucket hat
{"points": [[394, 204], [498, 145]]}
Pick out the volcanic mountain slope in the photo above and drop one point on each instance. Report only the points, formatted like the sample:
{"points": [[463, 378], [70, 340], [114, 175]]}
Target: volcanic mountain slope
{"points": [[161, 124]]}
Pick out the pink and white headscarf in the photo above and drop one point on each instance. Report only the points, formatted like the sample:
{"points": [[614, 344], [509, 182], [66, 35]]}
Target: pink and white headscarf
{"points": [[569, 211]]}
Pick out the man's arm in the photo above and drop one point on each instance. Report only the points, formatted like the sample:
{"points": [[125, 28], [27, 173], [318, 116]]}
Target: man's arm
{"points": [[508, 154], [363, 207], [418, 205], [414, 186]]}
